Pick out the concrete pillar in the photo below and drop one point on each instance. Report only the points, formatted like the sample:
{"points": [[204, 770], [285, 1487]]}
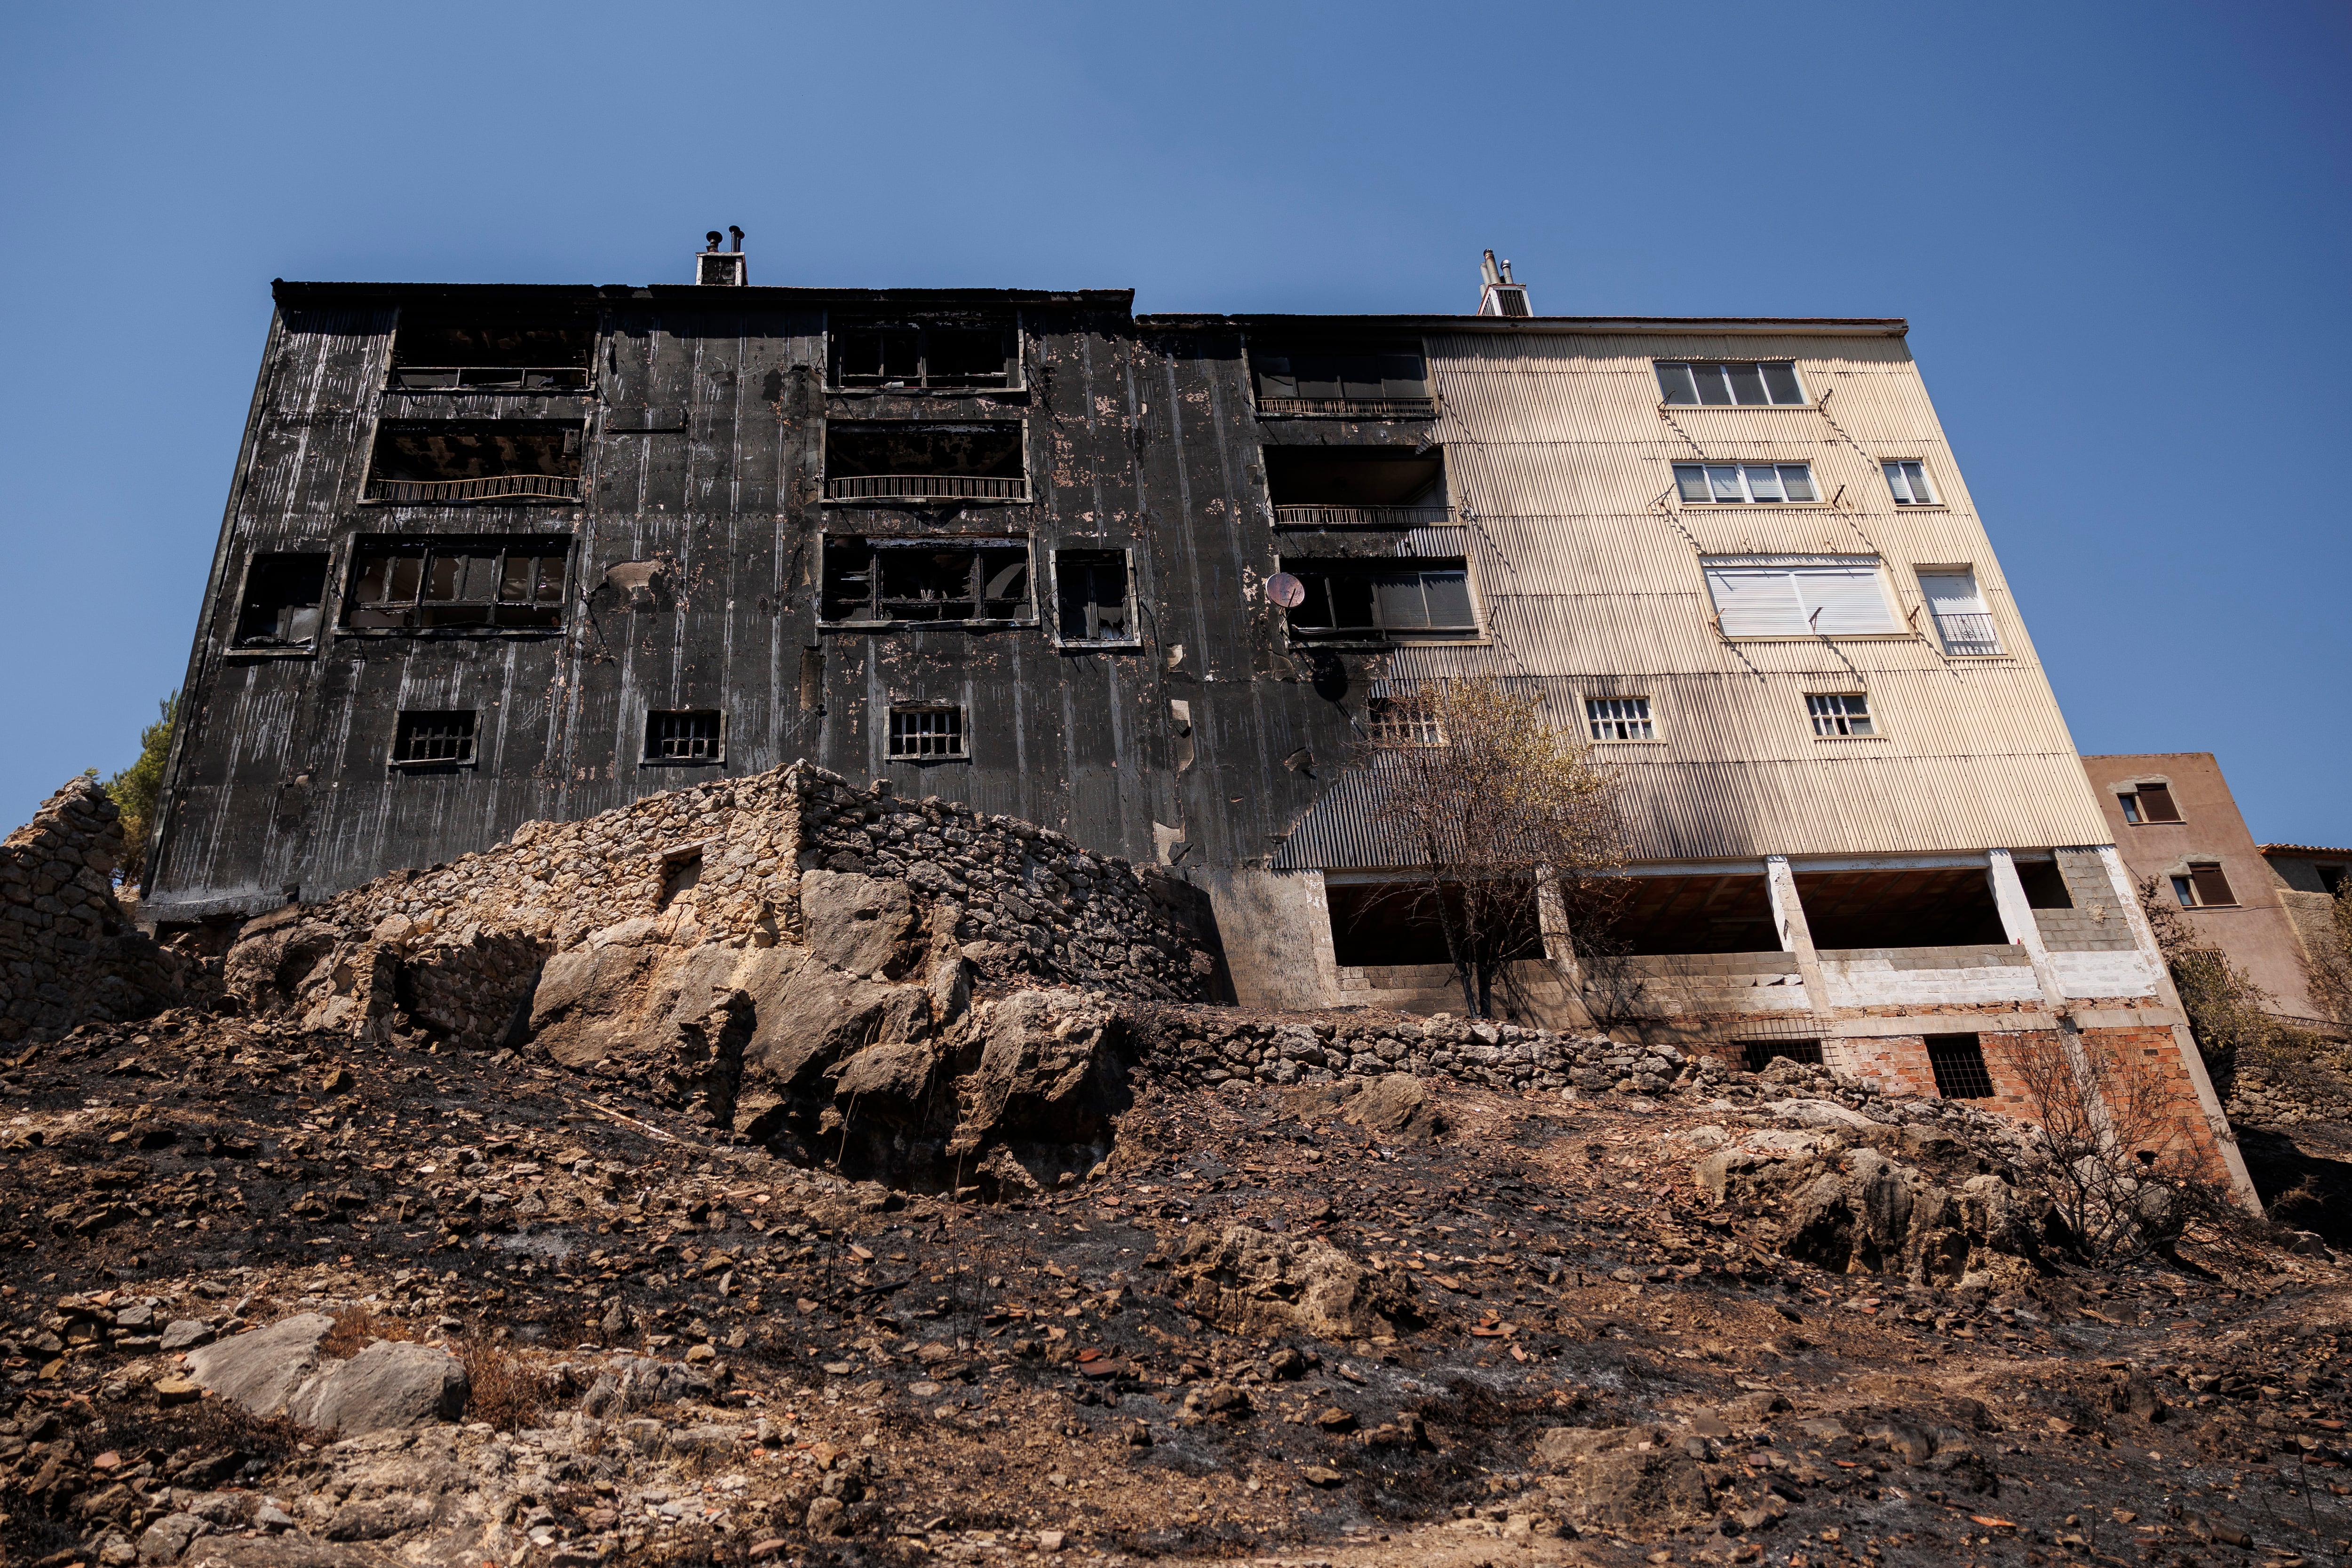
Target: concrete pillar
{"points": [[1796, 936], [2241, 1184], [1559, 948], [2024, 931]]}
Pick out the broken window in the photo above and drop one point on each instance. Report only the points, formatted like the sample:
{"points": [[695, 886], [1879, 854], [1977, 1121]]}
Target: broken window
{"points": [[2148, 803], [2203, 886], [1756, 1055], [1738, 484], [902, 460], [685, 736], [1378, 597], [920, 730], [1959, 1067], [415, 585], [452, 461], [1962, 622], [1620, 719], [894, 579], [425, 739], [1819, 596], [1342, 487], [1909, 480], [1840, 713], [282, 595], [1748, 381], [471, 353], [907, 354], [1090, 588], [1938, 906], [1370, 379]]}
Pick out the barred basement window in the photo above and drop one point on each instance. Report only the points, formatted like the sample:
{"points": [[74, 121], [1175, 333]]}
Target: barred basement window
{"points": [[683, 736], [1745, 483], [1757, 1055], [1770, 382], [1401, 721], [425, 739], [929, 731], [1959, 1064], [1620, 719], [1840, 713]]}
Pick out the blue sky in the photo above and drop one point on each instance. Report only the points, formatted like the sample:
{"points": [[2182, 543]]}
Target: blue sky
{"points": [[2119, 233]]}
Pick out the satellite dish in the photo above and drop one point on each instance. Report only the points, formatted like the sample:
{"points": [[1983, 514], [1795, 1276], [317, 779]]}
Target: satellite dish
{"points": [[1285, 591]]}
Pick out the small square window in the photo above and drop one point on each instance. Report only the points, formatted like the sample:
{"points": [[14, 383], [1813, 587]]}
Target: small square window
{"points": [[1909, 480], [2149, 803], [2203, 887], [1620, 719], [1959, 1064], [1841, 713], [690, 735], [425, 739], [921, 733], [282, 594], [1090, 588], [1393, 721]]}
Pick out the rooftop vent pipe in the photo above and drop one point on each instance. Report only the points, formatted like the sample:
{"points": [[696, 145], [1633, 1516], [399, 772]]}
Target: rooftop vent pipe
{"points": [[1502, 296], [718, 269]]}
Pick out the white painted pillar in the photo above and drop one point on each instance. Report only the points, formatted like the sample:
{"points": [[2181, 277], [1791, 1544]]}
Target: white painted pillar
{"points": [[1796, 936], [2024, 931]]}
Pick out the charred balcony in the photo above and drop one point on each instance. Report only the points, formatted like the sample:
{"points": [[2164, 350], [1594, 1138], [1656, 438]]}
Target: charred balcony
{"points": [[1356, 487], [906, 460], [469, 462], [1341, 381], [472, 354]]}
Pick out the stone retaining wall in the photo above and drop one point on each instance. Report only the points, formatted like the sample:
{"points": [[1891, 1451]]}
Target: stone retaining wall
{"points": [[68, 954]]}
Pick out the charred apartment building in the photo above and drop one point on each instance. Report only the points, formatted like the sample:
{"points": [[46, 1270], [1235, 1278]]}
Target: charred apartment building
{"points": [[501, 553]]}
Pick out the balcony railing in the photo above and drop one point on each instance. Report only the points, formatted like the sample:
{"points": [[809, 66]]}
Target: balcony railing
{"points": [[1360, 517], [1967, 632], [925, 488], [488, 378], [495, 487], [1347, 407]]}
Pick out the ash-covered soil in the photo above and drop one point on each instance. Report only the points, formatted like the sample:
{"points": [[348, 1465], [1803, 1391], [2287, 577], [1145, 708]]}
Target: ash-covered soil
{"points": [[1258, 1331]]}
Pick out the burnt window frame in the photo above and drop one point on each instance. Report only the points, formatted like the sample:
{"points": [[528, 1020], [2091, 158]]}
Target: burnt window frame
{"points": [[240, 646], [557, 380], [875, 545], [1379, 632], [368, 547], [549, 490], [715, 758], [908, 707], [840, 327], [1267, 405], [403, 736], [827, 479], [1132, 638]]}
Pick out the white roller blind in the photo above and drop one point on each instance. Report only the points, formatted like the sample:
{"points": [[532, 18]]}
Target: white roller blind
{"points": [[1840, 596], [1952, 592]]}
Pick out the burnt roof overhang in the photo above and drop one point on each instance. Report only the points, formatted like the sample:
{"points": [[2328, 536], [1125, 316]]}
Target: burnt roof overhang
{"points": [[1318, 326], [585, 296]]}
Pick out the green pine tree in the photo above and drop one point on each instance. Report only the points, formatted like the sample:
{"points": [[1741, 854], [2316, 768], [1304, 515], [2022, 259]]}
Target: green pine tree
{"points": [[136, 787]]}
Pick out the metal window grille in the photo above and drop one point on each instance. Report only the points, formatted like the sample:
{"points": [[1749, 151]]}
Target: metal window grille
{"points": [[1392, 723], [1840, 713], [1967, 632], [926, 732], [682, 738], [1959, 1064], [1758, 1054], [434, 738], [1620, 719]]}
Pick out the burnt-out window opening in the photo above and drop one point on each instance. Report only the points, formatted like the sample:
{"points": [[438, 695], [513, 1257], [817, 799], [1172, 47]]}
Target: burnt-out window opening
{"points": [[1756, 1055], [874, 581], [1370, 379], [907, 354], [2044, 885], [438, 352], [2203, 886], [425, 739], [416, 585], [683, 735], [1090, 589], [453, 461], [1959, 1066], [1383, 597], [2148, 803], [1380, 925], [1329, 486], [282, 595], [1945, 906], [1661, 916], [902, 460], [923, 730]]}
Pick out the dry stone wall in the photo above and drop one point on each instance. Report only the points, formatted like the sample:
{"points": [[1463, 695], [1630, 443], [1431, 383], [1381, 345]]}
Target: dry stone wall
{"points": [[68, 954]]}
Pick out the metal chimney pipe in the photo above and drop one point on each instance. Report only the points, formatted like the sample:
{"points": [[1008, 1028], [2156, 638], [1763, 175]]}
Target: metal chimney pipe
{"points": [[738, 247]]}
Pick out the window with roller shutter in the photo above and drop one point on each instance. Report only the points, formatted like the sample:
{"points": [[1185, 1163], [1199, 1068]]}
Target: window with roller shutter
{"points": [[1799, 596]]}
